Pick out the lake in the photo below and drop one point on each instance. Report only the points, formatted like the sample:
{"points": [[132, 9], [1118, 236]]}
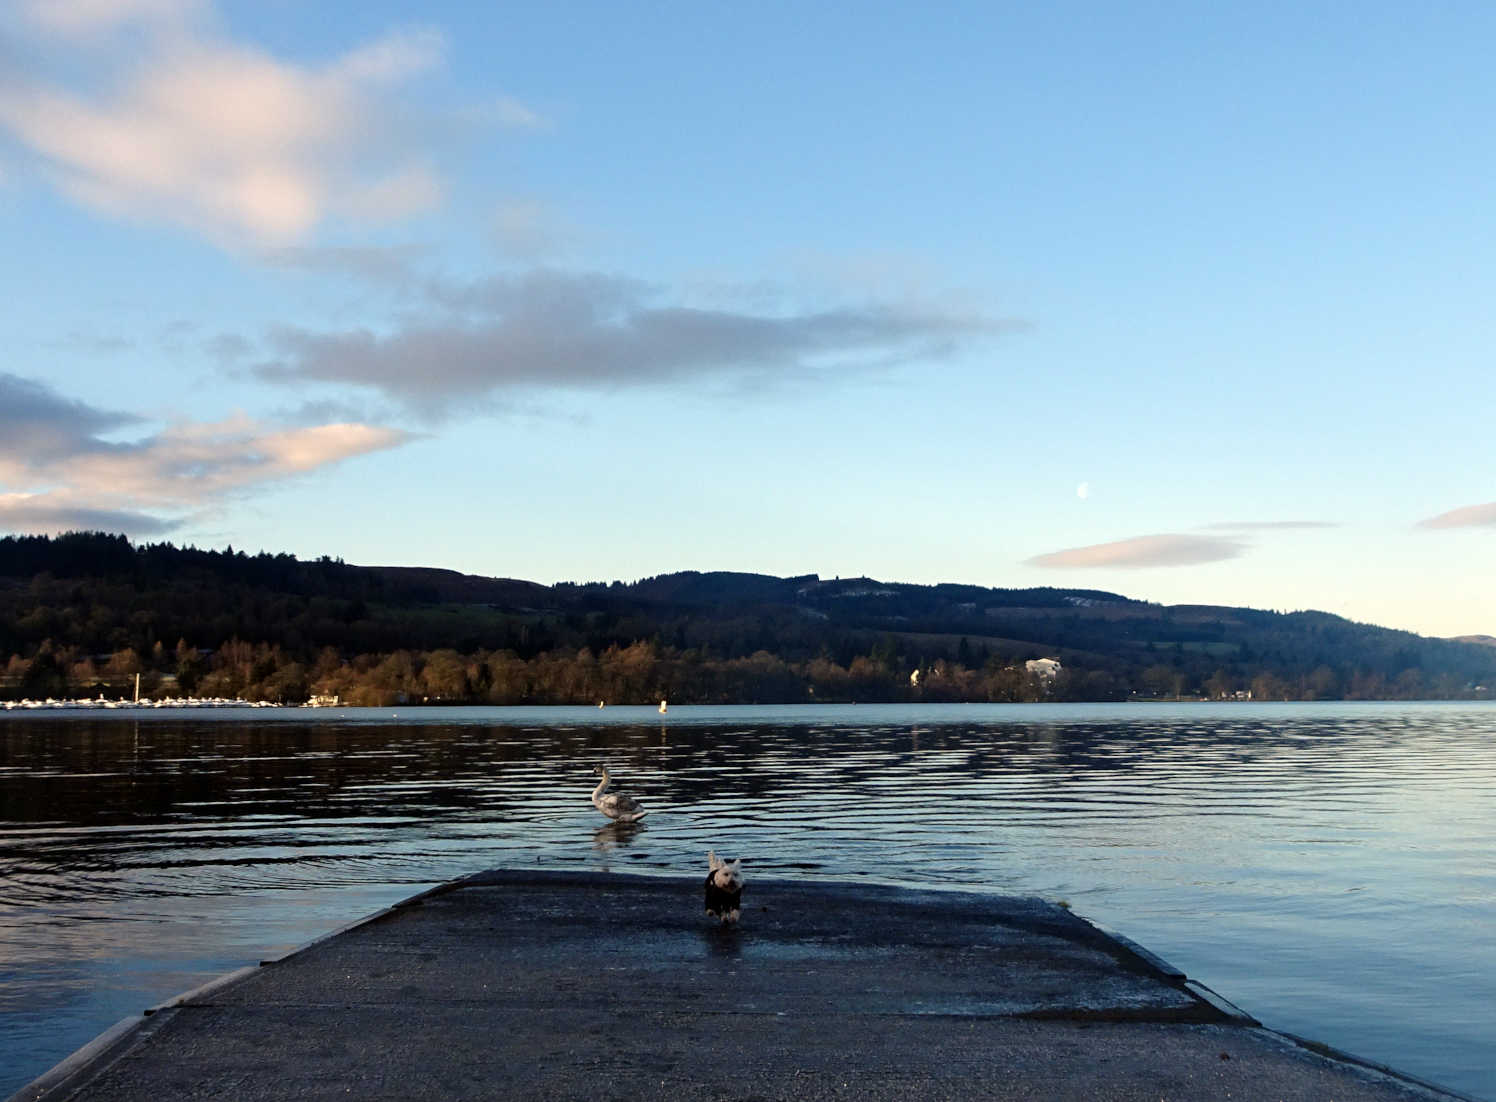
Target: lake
{"points": [[1327, 867]]}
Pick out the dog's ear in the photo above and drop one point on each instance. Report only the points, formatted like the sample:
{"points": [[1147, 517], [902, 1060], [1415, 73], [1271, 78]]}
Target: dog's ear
{"points": [[712, 864], [737, 864]]}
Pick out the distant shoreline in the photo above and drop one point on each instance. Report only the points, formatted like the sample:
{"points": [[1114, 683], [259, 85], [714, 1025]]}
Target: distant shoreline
{"points": [[51, 705], [30, 707]]}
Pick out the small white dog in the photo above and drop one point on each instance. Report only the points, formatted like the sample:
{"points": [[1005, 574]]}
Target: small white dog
{"points": [[724, 889]]}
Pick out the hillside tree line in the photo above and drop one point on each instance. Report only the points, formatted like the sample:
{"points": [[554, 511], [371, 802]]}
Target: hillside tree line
{"points": [[82, 615]]}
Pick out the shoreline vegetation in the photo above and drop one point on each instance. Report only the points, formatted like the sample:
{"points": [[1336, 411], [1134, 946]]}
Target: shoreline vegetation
{"points": [[84, 614], [241, 674]]}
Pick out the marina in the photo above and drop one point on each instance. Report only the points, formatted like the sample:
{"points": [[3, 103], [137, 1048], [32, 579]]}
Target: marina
{"points": [[52, 704]]}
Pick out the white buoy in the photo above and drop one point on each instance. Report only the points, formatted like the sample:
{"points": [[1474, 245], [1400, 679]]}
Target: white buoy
{"points": [[663, 709]]}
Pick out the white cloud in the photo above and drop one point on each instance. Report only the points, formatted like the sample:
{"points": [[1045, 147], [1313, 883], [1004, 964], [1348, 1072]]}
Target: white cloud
{"points": [[91, 17], [412, 189], [1469, 516], [1143, 551], [1270, 525], [393, 58], [510, 112], [221, 136]]}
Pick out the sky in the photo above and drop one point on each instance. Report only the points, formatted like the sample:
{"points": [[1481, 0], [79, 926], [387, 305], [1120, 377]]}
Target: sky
{"points": [[1188, 302]]}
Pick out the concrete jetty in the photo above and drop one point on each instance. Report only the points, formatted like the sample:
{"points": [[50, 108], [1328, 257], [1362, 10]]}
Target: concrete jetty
{"points": [[566, 985]]}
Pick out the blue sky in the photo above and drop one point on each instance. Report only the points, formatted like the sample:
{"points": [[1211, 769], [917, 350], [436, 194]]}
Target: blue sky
{"points": [[1190, 302]]}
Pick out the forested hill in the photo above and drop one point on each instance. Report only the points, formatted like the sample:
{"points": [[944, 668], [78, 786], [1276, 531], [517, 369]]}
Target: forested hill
{"points": [[83, 613]]}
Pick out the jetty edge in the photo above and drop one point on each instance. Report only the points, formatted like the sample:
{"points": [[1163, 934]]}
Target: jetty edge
{"points": [[530, 984]]}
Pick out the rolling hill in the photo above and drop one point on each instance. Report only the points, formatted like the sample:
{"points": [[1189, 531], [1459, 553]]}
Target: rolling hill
{"points": [[91, 605]]}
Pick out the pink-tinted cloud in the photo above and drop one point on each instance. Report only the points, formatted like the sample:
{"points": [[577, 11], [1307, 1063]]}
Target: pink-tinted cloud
{"points": [[1470, 516], [1270, 525], [180, 124], [56, 472], [83, 18], [197, 463], [1143, 551]]}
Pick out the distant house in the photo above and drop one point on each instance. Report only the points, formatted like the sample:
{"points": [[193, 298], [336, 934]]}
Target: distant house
{"points": [[1047, 669]]}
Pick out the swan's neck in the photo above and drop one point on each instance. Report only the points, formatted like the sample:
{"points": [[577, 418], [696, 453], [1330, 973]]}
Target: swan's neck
{"points": [[602, 786]]}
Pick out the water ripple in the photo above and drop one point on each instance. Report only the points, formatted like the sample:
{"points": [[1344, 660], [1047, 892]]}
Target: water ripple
{"points": [[1278, 853]]}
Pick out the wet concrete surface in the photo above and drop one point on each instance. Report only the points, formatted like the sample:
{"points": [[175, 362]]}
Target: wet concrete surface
{"points": [[536, 985]]}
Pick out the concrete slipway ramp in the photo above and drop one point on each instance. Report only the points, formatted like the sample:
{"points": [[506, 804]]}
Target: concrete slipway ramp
{"points": [[566, 986]]}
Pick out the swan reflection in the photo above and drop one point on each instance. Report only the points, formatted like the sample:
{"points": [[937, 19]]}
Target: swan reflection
{"points": [[614, 835]]}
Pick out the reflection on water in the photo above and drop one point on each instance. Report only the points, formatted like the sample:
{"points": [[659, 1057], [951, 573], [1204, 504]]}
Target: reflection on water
{"points": [[610, 837], [1327, 867]]}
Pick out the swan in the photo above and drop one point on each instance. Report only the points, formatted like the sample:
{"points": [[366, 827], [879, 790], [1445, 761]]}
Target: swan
{"points": [[625, 809]]}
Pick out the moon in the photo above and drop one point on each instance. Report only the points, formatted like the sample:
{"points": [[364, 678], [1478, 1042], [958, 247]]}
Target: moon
{"points": [[1083, 491]]}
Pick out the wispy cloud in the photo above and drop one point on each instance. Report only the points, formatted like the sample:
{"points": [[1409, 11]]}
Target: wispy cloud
{"points": [[197, 463], [83, 18], [529, 230], [412, 189], [39, 427], [51, 513], [56, 470], [179, 124], [1469, 516], [551, 329], [1270, 525], [391, 59], [227, 348], [510, 112], [387, 265], [1167, 549]]}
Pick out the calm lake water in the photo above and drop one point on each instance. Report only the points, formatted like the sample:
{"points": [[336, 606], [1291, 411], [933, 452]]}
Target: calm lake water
{"points": [[1327, 867]]}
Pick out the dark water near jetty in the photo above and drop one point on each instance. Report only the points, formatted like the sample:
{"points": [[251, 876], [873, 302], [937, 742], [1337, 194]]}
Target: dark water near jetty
{"points": [[1327, 867]]}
